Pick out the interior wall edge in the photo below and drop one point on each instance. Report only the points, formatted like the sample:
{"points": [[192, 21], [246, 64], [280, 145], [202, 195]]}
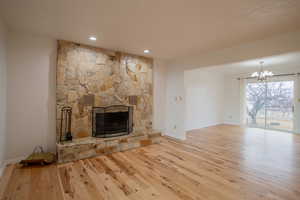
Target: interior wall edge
{"points": [[3, 90]]}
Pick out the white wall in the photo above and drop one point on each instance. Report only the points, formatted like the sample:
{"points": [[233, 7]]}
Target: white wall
{"points": [[3, 85], [159, 95], [31, 94], [214, 97], [204, 96], [232, 99], [175, 102], [276, 45]]}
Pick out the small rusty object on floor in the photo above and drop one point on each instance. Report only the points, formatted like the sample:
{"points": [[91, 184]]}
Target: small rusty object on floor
{"points": [[39, 157]]}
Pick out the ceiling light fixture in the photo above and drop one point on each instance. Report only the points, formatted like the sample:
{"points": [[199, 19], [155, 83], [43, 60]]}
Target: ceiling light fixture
{"points": [[262, 75], [92, 38], [146, 51]]}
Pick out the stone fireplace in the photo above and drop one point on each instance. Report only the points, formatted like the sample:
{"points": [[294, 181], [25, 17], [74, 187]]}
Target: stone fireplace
{"points": [[90, 77], [92, 81]]}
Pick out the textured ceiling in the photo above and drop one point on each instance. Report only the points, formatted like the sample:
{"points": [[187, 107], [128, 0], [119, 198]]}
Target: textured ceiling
{"points": [[170, 28]]}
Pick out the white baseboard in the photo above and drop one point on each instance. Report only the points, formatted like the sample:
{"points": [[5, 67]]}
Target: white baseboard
{"points": [[1, 168], [231, 123], [176, 136], [204, 126], [162, 131], [1, 171], [13, 160]]}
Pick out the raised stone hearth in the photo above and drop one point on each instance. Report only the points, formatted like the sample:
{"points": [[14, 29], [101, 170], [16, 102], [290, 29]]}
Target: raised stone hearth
{"points": [[91, 146]]}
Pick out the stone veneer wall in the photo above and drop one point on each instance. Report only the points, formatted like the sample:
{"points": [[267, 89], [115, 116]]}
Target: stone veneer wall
{"points": [[89, 76]]}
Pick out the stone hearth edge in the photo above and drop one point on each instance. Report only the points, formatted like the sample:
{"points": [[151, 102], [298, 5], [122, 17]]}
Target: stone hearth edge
{"points": [[91, 146]]}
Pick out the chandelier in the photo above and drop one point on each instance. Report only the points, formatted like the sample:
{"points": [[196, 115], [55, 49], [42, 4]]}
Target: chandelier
{"points": [[262, 75]]}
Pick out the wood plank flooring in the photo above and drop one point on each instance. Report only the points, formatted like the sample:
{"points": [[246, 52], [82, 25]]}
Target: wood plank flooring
{"points": [[220, 162]]}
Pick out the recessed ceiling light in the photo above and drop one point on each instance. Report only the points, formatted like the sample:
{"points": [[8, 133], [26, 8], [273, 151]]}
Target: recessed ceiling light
{"points": [[146, 51], [92, 38]]}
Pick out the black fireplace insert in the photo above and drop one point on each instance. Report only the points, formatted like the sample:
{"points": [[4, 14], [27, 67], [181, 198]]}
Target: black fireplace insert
{"points": [[112, 121]]}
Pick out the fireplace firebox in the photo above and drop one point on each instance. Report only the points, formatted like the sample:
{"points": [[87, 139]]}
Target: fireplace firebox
{"points": [[112, 121]]}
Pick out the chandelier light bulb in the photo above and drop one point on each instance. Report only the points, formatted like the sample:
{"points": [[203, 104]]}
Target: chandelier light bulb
{"points": [[262, 75]]}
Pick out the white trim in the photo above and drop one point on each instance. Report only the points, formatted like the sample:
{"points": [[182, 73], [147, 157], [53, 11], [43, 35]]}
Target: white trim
{"points": [[176, 137], [13, 160], [1, 171], [232, 123], [162, 131], [296, 104], [242, 93], [1, 168], [205, 126]]}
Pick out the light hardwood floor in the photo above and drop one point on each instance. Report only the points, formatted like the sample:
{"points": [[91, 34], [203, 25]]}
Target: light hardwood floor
{"points": [[220, 162]]}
